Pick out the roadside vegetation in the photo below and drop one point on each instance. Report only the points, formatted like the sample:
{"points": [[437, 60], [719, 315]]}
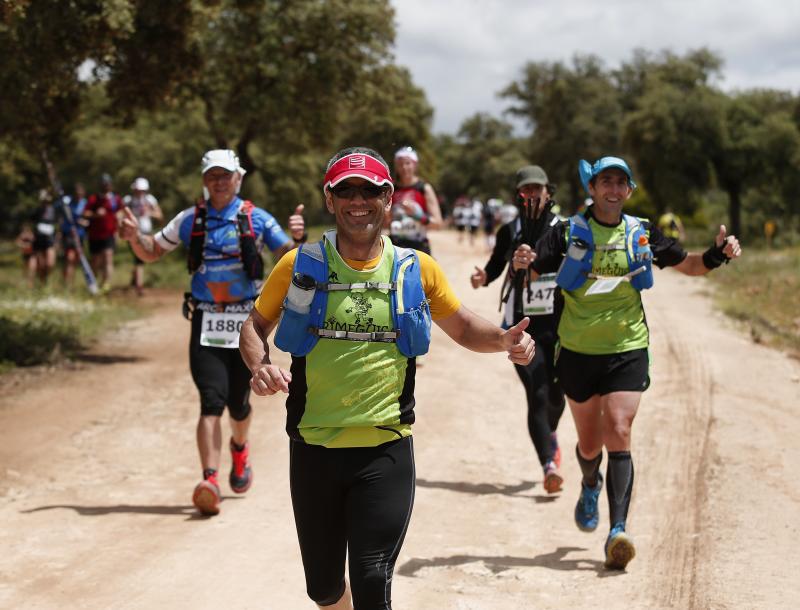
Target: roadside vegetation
{"points": [[48, 325], [763, 290]]}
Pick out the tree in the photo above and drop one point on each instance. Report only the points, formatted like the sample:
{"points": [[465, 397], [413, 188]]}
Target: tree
{"points": [[48, 43], [481, 160], [574, 112], [674, 125]]}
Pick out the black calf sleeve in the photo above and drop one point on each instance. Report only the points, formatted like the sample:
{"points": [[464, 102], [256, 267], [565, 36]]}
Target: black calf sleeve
{"points": [[589, 468], [619, 485]]}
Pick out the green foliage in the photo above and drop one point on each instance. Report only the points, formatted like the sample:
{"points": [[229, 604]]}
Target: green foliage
{"points": [[575, 114], [481, 161], [39, 327], [674, 126], [761, 289]]}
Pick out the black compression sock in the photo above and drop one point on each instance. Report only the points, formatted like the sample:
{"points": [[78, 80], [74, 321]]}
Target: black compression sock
{"points": [[209, 472], [619, 485], [589, 468], [236, 446]]}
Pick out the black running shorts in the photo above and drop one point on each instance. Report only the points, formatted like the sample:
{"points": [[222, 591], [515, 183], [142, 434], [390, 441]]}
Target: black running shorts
{"points": [[583, 376], [96, 246], [357, 502], [220, 375]]}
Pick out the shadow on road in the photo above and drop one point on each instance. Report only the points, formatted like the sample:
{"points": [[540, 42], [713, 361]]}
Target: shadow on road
{"points": [[556, 560], [105, 358], [477, 488], [186, 510]]}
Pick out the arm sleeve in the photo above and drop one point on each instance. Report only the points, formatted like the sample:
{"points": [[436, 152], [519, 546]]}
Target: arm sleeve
{"points": [[443, 301], [550, 249], [497, 262], [169, 237], [270, 301], [272, 233], [667, 252]]}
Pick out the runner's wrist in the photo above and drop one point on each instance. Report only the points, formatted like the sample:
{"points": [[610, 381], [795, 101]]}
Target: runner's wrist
{"points": [[715, 256]]}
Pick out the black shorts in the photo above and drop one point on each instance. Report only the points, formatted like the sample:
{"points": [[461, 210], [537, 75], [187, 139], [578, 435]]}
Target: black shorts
{"points": [[43, 244], [68, 242], [220, 375], [98, 246], [357, 501], [583, 376]]}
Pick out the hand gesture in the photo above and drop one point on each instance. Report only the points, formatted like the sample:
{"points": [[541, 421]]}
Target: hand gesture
{"points": [[478, 278], [269, 379], [297, 225], [129, 226], [520, 345], [732, 248], [523, 257]]}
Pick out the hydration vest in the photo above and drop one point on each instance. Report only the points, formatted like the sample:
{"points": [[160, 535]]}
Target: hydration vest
{"points": [[248, 249], [300, 328], [576, 267], [417, 192]]}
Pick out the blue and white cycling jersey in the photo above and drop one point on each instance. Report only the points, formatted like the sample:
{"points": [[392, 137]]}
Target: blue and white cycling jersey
{"points": [[221, 278]]}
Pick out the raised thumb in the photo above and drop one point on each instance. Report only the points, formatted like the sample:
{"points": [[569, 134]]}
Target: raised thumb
{"points": [[721, 235], [299, 209]]}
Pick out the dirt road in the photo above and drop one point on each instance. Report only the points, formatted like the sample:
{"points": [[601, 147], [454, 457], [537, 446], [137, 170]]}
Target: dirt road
{"points": [[97, 465]]}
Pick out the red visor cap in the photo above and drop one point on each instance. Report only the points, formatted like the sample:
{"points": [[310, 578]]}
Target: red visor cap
{"points": [[358, 165]]}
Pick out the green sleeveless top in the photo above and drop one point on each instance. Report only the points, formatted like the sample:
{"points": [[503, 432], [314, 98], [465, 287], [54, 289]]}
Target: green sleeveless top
{"points": [[354, 388], [608, 323]]}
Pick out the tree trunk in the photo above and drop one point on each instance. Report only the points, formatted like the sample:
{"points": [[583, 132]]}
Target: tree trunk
{"points": [[735, 211]]}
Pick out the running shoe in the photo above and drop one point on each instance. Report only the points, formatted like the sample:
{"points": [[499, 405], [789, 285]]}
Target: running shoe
{"points": [[241, 476], [587, 514], [206, 496], [555, 450], [619, 548], [552, 478]]}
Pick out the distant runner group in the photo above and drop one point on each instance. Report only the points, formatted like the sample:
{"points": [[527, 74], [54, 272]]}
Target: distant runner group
{"points": [[354, 309]]}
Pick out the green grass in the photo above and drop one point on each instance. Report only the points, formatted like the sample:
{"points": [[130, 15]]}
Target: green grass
{"points": [[762, 289]]}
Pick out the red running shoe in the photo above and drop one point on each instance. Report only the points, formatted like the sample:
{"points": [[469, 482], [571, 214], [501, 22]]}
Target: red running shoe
{"points": [[555, 449], [241, 476], [552, 478], [206, 496]]}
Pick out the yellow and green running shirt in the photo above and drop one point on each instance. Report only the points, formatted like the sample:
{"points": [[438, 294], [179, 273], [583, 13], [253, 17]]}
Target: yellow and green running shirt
{"points": [[608, 323], [354, 393]]}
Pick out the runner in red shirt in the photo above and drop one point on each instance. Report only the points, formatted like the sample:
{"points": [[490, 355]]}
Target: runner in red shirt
{"points": [[101, 210]]}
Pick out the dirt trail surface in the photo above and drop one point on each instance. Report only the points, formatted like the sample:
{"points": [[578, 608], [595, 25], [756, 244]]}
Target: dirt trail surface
{"points": [[98, 462]]}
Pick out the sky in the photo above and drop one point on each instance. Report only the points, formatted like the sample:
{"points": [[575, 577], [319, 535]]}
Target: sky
{"points": [[462, 52]]}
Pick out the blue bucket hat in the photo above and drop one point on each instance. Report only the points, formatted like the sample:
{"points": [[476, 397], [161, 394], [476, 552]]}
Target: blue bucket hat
{"points": [[587, 171]]}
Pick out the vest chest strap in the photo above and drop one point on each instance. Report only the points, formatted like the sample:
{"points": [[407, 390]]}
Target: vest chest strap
{"points": [[353, 336], [360, 286]]}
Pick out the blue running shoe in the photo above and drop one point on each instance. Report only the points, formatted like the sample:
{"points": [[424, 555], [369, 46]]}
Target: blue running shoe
{"points": [[587, 515], [619, 548]]}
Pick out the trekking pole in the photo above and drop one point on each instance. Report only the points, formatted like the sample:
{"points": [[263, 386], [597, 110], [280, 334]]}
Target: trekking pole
{"points": [[86, 268]]}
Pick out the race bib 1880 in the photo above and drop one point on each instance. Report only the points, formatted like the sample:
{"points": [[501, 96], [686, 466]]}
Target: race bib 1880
{"points": [[221, 329], [542, 293]]}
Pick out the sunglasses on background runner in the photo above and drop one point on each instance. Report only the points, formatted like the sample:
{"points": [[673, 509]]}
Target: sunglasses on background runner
{"points": [[348, 191]]}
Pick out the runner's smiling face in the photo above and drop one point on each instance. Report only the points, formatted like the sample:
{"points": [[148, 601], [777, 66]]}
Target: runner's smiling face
{"points": [[221, 185], [358, 218], [610, 190], [406, 170]]}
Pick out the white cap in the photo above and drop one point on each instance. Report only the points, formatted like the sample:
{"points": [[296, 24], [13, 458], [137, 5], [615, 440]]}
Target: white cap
{"points": [[224, 158], [140, 184], [408, 153]]}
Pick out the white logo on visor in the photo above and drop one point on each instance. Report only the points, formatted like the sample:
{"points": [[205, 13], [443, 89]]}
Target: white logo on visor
{"points": [[357, 162]]}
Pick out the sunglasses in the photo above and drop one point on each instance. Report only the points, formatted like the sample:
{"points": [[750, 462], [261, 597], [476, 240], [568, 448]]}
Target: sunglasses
{"points": [[349, 191]]}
